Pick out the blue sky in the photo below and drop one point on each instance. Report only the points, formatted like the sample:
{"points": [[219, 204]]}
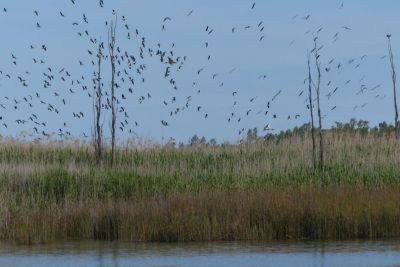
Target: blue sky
{"points": [[237, 61]]}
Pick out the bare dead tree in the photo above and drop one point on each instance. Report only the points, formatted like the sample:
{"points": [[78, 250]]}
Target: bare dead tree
{"points": [[97, 106], [393, 72], [318, 89], [310, 106], [111, 48]]}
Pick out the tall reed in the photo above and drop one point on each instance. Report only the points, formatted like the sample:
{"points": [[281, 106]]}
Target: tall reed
{"points": [[260, 191]]}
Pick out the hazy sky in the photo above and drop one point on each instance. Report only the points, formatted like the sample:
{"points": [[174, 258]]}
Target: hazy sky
{"points": [[352, 34]]}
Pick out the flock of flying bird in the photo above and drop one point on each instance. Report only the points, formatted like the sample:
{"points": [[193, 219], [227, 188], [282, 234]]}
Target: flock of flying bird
{"points": [[130, 75]]}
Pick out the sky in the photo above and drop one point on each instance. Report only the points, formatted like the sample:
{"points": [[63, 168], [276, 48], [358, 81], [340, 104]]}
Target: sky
{"points": [[236, 63]]}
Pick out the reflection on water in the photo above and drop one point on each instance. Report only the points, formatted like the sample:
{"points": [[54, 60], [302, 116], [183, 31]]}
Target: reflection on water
{"points": [[98, 254]]}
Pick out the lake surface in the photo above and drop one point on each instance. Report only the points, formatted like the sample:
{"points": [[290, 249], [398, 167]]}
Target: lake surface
{"points": [[98, 254]]}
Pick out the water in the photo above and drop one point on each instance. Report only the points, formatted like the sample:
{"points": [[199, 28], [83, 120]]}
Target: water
{"points": [[96, 254]]}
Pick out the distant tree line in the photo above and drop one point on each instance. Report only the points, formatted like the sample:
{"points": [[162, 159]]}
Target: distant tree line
{"points": [[354, 126]]}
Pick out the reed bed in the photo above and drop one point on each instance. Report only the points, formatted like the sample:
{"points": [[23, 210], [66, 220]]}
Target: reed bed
{"points": [[254, 191], [260, 214]]}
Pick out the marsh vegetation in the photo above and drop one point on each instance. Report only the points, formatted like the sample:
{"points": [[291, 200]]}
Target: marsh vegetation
{"points": [[262, 189]]}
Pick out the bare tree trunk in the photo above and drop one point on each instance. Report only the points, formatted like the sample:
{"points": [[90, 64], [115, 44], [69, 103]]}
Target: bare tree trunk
{"points": [[396, 113], [314, 155], [98, 129], [111, 46], [321, 140]]}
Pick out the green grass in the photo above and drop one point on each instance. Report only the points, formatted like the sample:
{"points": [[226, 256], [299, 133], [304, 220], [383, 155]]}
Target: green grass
{"points": [[258, 191]]}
